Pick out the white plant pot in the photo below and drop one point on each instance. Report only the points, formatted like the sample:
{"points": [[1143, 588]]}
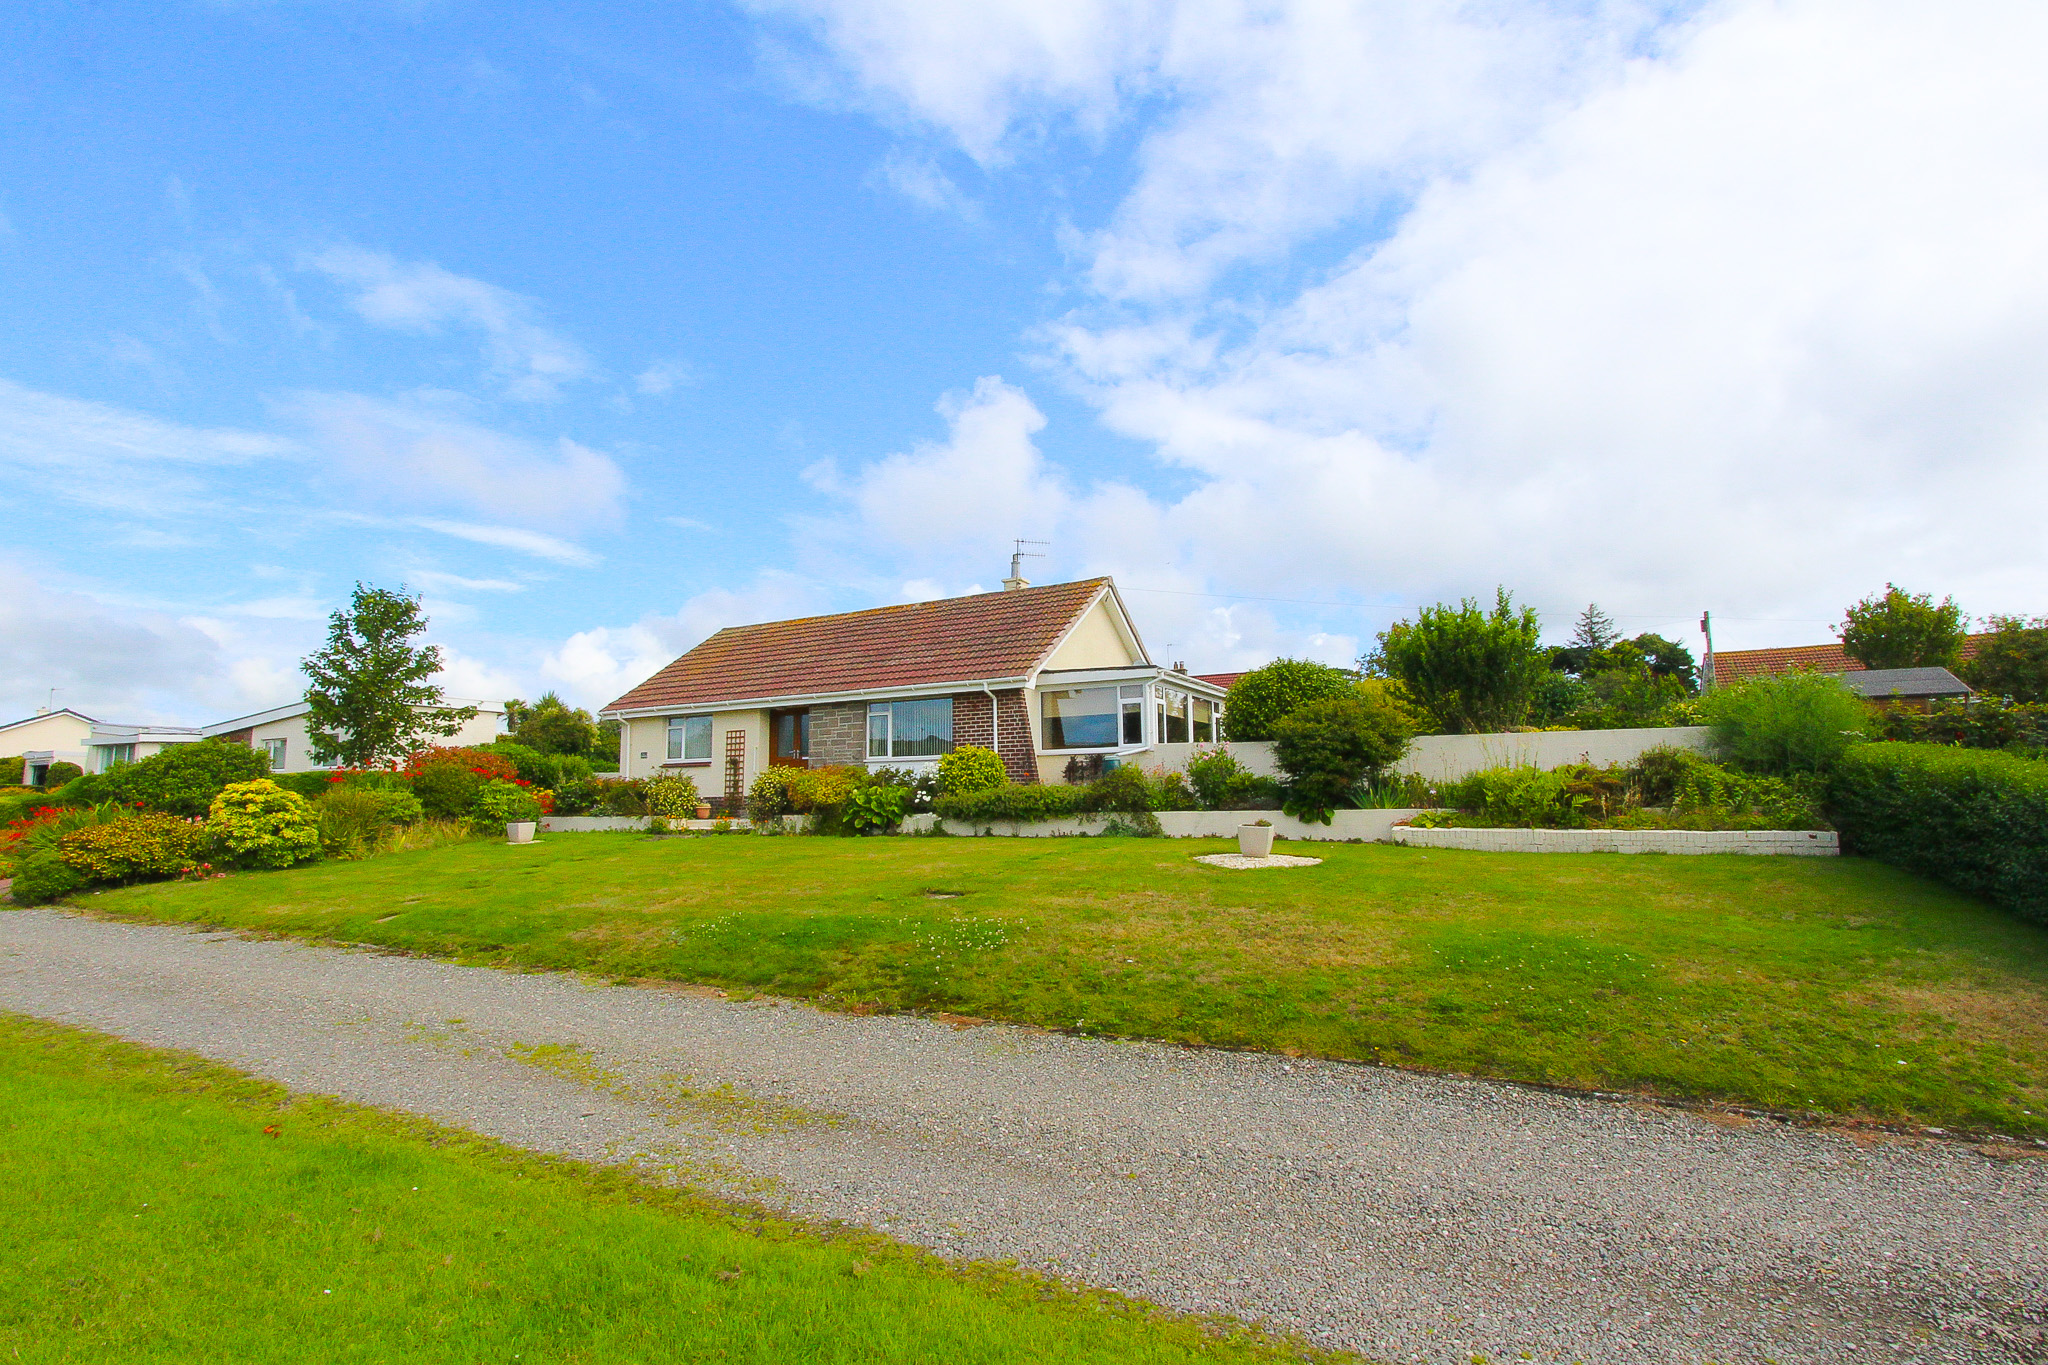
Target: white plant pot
{"points": [[1255, 841], [520, 831]]}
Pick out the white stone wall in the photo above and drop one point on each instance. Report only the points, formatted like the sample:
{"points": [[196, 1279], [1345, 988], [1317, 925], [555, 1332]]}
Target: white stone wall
{"points": [[1804, 843], [1445, 758]]}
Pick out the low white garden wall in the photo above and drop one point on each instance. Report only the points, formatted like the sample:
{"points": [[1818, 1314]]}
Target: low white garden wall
{"points": [[598, 824], [1804, 843], [1346, 826], [1445, 758]]}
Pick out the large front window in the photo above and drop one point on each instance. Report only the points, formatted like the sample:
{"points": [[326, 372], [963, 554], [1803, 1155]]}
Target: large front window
{"points": [[689, 739], [1093, 717], [910, 729]]}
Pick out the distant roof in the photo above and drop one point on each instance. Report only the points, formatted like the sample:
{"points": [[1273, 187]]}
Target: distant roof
{"points": [[1905, 682], [60, 711], [300, 707], [955, 640], [1222, 680], [1735, 665]]}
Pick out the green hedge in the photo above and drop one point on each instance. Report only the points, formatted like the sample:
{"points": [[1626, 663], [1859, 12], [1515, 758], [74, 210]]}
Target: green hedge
{"points": [[1973, 818], [1012, 801]]}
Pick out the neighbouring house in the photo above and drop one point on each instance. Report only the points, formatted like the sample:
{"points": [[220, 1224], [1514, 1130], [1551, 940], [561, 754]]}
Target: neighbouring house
{"points": [[111, 745], [281, 732], [47, 737], [1913, 688], [1044, 676], [1739, 665]]}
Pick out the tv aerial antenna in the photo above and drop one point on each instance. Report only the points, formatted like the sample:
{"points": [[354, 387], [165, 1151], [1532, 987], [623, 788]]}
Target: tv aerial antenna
{"points": [[1016, 579]]}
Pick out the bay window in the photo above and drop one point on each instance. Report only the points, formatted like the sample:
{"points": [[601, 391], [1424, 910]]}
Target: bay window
{"points": [[1093, 717]]}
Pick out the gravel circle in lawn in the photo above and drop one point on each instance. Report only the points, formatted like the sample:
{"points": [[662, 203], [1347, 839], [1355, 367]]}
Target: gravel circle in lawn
{"points": [[1409, 1218], [1245, 862]]}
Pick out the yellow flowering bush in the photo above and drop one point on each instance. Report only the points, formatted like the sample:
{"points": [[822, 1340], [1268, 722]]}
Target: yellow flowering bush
{"points": [[260, 824]]}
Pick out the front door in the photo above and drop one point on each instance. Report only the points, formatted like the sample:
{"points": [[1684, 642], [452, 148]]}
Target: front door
{"points": [[789, 738]]}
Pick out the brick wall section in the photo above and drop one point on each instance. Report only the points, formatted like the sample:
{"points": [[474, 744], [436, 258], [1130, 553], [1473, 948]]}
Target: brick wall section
{"points": [[839, 733], [971, 720], [1013, 736]]}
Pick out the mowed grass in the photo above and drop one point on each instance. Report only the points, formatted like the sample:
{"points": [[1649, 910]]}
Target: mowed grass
{"points": [[1834, 986], [155, 1208]]}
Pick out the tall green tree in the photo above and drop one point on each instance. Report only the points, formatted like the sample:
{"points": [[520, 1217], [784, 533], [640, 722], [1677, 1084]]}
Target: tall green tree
{"points": [[1262, 698], [1473, 670], [552, 726], [369, 698], [1900, 629], [2013, 662]]}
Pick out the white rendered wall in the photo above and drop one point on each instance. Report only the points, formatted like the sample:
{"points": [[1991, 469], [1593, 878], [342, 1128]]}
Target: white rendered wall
{"points": [[1444, 758]]}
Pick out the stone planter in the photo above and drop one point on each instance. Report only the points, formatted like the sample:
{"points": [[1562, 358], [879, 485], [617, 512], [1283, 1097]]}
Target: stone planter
{"points": [[1255, 841], [520, 831]]}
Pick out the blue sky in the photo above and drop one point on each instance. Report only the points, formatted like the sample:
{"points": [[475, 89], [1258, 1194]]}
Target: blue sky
{"points": [[604, 327]]}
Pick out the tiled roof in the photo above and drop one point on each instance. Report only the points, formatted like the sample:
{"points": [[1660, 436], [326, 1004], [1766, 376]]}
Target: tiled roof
{"points": [[1222, 680], [954, 640], [1734, 665], [1905, 682]]}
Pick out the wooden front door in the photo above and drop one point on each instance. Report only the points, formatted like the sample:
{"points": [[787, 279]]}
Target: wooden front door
{"points": [[789, 738]]}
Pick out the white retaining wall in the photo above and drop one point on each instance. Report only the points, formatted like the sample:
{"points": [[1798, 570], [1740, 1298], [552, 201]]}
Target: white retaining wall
{"points": [[1445, 758], [598, 824], [1805, 843], [1345, 825]]}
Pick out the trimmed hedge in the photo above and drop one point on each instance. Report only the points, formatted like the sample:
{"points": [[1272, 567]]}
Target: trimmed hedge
{"points": [[1013, 801], [1973, 818]]}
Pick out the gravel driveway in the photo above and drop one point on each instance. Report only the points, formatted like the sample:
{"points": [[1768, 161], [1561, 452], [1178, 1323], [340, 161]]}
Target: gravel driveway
{"points": [[1404, 1217]]}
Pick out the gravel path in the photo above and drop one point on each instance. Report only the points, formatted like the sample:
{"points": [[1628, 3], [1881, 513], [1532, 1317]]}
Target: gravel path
{"points": [[1404, 1217]]}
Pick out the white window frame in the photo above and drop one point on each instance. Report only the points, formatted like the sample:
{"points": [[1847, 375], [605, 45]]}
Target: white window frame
{"points": [[276, 748], [885, 732], [679, 737], [1130, 697]]}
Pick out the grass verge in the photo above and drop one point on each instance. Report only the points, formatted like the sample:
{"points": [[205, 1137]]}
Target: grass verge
{"points": [[1832, 986], [158, 1208]]}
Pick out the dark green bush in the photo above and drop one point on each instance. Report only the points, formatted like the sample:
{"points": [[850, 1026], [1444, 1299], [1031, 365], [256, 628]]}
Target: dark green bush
{"points": [[1974, 819], [1130, 789], [446, 791], [90, 790], [970, 768], [11, 771], [60, 772], [499, 803], [1983, 723], [312, 785], [551, 770], [44, 876], [1328, 747], [1012, 802], [184, 779], [1262, 698]]}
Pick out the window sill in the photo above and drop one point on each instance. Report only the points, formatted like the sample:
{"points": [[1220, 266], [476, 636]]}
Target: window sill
{"points": [[688, 763]]}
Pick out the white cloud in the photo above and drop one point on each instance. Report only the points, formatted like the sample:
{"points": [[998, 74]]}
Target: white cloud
{"points": [[1755, 320], [111, 459], [414, 454], [433, 580], [512, 538], [918, 177], [593, 667], [419, 296], [663, 377]]}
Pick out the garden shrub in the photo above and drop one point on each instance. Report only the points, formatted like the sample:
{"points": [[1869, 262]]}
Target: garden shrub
{"points": [[185, 778], [311, 785], [1667, 789], [1974, 819], [968, 769], [814, 789], [1787, 724], [500, 802], [1262, 698], [356, 821], [446, 791], [143, 846], [59, 773], [1215, 776], [1519, 797], [260, 824], [43, 876], [876, 807], [920, 785], [671, 795], [768, 797], [1982, 723], [93, 789], [1328, 747], [621, 796], [1012, 801], [12, 770], [551, 770]]}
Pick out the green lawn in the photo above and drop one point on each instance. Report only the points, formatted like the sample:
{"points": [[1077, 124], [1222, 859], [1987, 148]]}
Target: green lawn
{"points": [[1831, 985], [154, 1208]]}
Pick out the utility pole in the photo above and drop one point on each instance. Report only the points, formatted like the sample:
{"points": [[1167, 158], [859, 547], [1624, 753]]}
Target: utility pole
{"points": [[1707, 671], [1016, 580]]}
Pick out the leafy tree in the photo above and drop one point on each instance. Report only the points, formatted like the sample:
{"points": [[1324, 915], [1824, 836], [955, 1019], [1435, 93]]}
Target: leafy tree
{"points": [[1899, 629], [370, 700], [2013, 662], [552, 726], [605, 756], [1264, 697], [1328, 747], [1786, 725], [1474, 671]]}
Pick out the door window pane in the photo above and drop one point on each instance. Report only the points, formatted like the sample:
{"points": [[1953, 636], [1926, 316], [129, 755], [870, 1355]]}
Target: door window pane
{"points": [[1081, 718]]}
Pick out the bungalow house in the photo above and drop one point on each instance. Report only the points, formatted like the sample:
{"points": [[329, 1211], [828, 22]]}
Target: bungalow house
{"points": [[281, 732], [46, 737], [1043, 676], [109, 745]]}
